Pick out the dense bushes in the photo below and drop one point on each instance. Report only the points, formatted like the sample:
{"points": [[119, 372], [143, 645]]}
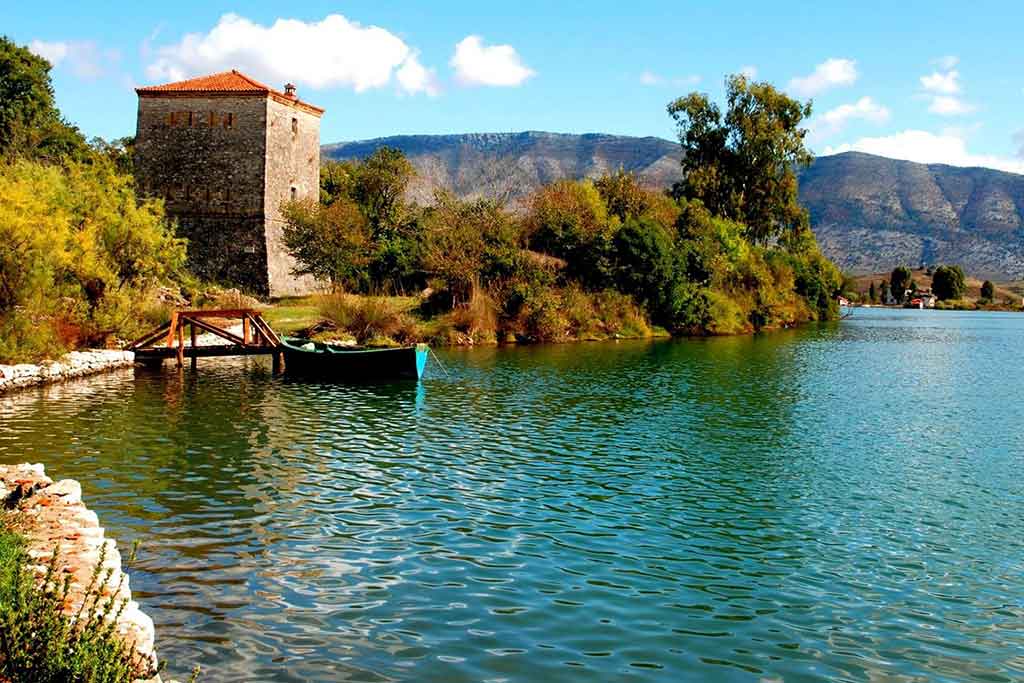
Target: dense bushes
{"points": [[78, 255], [578, 248], [364, 236], [728, 250], [40, 643]]}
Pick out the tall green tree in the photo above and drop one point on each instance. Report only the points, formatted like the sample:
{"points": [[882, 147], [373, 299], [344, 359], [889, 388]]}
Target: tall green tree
{"points": [[462, 239], [569, 219], [379, 188], [337, 178], [332, 243], [899, 281], [30, 123], [743, 165], [949, 282], [872, 293]]}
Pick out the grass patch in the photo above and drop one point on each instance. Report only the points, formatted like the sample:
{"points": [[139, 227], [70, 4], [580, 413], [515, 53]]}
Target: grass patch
{"points": [[288, 316], [374, 320]]}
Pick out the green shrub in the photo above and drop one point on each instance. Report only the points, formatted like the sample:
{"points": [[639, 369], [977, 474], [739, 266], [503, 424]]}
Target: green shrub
{"points": [[646, 266], [79, 255], [40, 643]]}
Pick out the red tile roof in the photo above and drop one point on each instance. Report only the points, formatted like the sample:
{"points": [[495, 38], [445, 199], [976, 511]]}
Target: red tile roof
{"points": [[224, 83]]}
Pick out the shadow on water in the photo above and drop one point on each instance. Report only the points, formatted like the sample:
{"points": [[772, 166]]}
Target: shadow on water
{"points": [[774, 507]]}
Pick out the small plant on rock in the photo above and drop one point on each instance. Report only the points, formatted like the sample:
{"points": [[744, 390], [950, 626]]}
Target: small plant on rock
{"points": [[41, 642]]}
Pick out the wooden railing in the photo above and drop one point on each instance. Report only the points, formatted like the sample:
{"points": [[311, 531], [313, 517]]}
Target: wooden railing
{"points": [[168, 340]]}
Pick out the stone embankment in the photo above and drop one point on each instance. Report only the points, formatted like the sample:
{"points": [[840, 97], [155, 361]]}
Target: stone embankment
{"points": [[52, 515], [71, 365]]}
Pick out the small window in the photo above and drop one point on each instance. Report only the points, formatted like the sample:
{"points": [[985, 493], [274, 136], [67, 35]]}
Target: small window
{"points": [[229, 120], [191, 120], [295, 126], [295, 194]]}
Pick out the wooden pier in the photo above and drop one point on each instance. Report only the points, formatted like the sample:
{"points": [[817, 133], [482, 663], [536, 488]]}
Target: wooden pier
{"points": [[168, 340]]}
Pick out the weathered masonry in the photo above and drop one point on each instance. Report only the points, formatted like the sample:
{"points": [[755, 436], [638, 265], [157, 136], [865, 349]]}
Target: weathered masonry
{"points": [[224, 151]]}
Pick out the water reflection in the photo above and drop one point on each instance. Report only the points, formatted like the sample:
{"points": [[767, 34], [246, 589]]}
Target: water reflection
{"points": [[831, 502]]}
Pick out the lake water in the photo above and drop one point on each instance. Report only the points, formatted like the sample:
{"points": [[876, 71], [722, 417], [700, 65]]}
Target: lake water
{"points": [[841, 502]]}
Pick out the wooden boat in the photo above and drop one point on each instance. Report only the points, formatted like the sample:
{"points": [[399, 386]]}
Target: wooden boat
{"points": [[356, 364]]}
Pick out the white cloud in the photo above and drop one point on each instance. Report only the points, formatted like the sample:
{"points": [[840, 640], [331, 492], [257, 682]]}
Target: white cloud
{"points": [[651, 78], [332, 52], [834, 120], [942, 87], [54, 52], [479, 64], [749, 71], [85, 59], [831, 73], [1018, 139], [945, 105], [947, 62], [928, 148], [946, 83], [413, 77]]}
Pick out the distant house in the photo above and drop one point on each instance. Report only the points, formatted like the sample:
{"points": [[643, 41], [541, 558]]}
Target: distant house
{"points": [[922, 298]]}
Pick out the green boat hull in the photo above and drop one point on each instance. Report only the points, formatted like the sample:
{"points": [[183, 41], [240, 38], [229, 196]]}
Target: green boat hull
{"points": [[323, 361]]}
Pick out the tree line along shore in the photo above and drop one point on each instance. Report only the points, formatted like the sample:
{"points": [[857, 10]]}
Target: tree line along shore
{"points": [[86, 262], [948, 285]]}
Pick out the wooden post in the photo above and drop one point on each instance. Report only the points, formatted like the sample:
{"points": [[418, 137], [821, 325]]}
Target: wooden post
{"points": [[246, 333], [278, 358], [192, 333], [181, 345], [171, 328]]}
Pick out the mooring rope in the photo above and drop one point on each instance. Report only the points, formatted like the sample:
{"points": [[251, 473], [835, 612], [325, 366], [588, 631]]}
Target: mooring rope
{"points": [[443, 368]]}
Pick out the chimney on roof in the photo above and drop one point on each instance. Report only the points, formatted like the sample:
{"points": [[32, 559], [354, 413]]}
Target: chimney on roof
{"points": [[289, 90]]}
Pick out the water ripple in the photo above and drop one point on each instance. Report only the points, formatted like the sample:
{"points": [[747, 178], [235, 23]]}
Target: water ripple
{"points": [[839, 502]]}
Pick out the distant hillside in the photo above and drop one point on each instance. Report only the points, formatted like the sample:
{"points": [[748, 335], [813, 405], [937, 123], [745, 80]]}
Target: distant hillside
{"points": [[870, 213], [511, 165]]}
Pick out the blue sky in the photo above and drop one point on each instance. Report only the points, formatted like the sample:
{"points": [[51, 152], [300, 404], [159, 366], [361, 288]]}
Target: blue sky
{"points": [[928, 81]]}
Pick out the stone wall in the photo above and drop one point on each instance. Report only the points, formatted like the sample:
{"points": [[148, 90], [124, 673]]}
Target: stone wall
{"points": [[71, 365], [205, 157], [293, 172], [53, 515]]}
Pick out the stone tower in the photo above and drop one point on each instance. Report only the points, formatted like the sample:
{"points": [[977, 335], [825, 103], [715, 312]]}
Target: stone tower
{"points": [[224, 151]]}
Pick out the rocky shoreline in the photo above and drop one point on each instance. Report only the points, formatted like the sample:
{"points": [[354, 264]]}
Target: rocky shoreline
{"points": [[52, 515], [70, 366]]}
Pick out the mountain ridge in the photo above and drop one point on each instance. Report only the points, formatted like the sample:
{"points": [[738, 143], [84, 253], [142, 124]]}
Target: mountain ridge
{"points": [[870, 213]]}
